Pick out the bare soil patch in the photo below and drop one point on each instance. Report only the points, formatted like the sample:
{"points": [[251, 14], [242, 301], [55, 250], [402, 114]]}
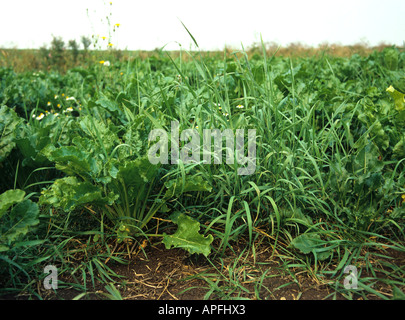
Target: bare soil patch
{"points": [[161, 274]]}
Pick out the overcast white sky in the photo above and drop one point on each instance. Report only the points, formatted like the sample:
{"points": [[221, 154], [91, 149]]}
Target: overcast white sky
{"points": [[214, 23]]}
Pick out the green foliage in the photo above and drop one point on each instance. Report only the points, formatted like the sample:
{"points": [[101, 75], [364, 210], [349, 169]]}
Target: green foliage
{"points": [[9, 198], [399, 98], [69, 193], [329, 164], [176, 187], [17, 222], [391, 58], [310, 242], [398, 294], [187, 236], [9, 121], [107, 171]]}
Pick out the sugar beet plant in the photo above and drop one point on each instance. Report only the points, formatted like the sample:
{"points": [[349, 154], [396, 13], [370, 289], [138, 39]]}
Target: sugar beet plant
{"points": [[329, 153], [113, 174]]}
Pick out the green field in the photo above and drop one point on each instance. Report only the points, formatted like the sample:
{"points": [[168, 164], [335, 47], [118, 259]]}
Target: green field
{"points": [[79, 192]]}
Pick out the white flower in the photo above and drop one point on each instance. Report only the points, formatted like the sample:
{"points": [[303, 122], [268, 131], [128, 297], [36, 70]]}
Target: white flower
{"points": [[240, 106], [40, 116], [106, 63], [70, 98]]}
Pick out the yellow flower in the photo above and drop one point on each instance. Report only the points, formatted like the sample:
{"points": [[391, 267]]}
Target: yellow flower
{"points": [[101, 62], [49, 103], [103, 38], [117, 25], [121, 73], [40, 116], [403, 198], [58, 105], [110, 44]]}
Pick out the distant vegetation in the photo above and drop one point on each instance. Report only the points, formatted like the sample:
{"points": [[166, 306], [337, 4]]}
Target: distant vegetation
{"points": [[62, 55]]}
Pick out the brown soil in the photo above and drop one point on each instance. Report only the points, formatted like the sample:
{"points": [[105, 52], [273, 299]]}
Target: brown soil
{"points": [[160, 274]]}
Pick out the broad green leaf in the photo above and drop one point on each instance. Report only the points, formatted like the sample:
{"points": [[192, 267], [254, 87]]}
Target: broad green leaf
{"points": [[310, 243], [188, 237], [9, 121], [367, 160], [111, 106], [137, 172], [399, 98], [21, 218], [32, 145], [10, 197], [69, 193], [33, 139], [99, 133], [72, 160], [131, 178], [306, 242]]}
